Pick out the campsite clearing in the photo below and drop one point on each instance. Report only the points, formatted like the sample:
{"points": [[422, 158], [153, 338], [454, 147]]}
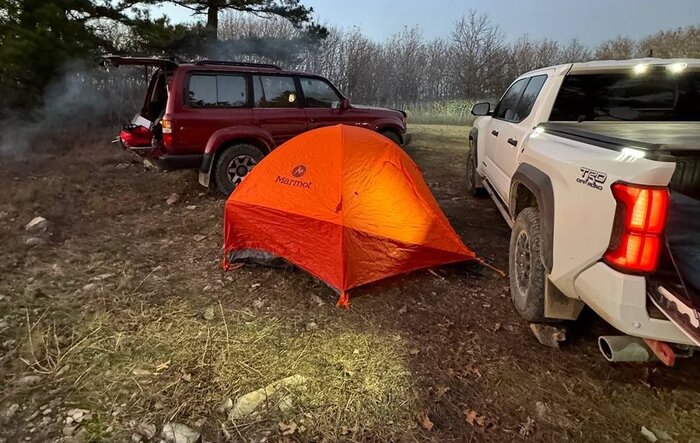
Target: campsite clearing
{"points": [[119, 307]]}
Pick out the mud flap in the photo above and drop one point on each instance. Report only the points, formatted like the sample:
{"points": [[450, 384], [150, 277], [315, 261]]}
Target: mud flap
{"points": [[559, 306]]}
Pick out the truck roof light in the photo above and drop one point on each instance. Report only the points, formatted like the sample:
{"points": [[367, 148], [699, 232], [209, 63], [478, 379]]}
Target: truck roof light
{"points": [[641, 68], [676, 68]]}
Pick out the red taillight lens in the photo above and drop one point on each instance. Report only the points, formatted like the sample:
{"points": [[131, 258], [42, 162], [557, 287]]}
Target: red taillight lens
{"points": [[167, 133], [639, 223]]}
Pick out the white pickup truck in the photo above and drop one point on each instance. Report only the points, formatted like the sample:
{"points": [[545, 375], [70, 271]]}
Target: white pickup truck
{"points": [[596, 167]]}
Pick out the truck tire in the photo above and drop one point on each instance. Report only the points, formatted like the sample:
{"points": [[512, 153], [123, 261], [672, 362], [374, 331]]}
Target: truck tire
{"points": [[472, 188], [233, 165], [392, 135], [526, 270]]}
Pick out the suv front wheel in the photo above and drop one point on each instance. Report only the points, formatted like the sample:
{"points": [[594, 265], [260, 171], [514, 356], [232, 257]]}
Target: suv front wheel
{"points": [[233, 165]]}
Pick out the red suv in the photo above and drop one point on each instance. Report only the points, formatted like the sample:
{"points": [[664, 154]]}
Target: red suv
{"points": [[224, 117]]}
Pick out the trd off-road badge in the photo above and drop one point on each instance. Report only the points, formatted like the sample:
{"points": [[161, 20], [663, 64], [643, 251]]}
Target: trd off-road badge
{"points": [[297, 172], [594, 179]]}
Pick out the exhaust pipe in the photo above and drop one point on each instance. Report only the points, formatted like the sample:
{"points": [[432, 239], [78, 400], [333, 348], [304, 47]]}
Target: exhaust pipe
{"points": [[623, 348]]}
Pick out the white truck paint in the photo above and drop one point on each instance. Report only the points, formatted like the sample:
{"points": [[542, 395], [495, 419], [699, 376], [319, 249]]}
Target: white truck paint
{"points": [[584, 208]]}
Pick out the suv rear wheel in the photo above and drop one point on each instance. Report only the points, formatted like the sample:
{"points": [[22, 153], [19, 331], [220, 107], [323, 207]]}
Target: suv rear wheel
{"points": [[526, 270], [233, 165]]}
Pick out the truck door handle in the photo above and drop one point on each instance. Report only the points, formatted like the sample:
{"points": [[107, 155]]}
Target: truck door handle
{"points": [[513, 141], [494, 133]]}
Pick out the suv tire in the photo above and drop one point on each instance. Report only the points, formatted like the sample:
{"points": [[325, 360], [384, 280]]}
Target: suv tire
{"points": [[233, 165], [526, 271], [392, 135], [472, 188]]}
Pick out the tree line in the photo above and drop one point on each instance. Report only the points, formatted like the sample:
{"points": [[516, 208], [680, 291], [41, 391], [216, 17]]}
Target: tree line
{"points": [[42, 41], [476, 61]]}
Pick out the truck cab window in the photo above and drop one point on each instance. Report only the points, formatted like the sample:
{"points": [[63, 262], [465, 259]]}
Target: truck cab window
{"points": [[527, 101], [654, 96], [505, 110]]}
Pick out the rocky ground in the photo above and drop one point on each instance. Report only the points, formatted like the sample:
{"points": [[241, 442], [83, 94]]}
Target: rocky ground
{"points": [[117, 324]]}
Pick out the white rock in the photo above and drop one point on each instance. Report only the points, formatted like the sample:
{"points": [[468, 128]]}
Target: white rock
{"points": [[37, 224], [35, 241], [179, 433], [646, 433], [248, 403], [172, 199]]}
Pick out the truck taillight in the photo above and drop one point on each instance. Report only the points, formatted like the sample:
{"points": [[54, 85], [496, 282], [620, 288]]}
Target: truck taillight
{"points": [[167, 126], [639, 224]]}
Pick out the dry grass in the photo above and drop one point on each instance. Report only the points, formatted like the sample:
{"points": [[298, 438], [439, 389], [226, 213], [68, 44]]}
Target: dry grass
{"points": [[167, 363]]}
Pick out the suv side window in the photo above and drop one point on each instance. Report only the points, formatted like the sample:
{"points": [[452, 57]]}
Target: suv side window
{"points": [[274, 91], [217, 91], [506, 107], [318, 93], [527, 101]]}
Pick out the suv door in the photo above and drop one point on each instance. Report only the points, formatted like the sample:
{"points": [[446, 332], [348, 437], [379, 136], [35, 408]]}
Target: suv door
{"points": [[321, 102], [277, 106], [513, 125]]}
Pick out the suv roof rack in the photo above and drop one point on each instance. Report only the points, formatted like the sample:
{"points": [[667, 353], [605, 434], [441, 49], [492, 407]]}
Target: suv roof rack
{"points": [[241, 64]]}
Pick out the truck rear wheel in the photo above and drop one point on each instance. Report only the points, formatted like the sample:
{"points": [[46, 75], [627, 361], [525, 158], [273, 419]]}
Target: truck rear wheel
{"points": [[233, 165], [527, 272], [472, 188]]}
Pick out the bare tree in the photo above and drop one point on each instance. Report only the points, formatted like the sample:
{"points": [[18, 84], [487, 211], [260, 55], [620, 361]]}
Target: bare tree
{"points": [[477, 45], [619, 48], [675, 43], [574, 52]]}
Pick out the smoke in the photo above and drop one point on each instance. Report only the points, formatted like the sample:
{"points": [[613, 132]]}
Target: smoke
{"points": [[83, 100]]}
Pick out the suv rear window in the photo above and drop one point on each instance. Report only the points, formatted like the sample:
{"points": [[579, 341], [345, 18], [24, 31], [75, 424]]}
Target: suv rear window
{"points": [[318, 93], [657, 95], [217, 91], [274, 91]]}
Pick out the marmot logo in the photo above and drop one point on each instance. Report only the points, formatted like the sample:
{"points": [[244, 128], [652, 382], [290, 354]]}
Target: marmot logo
{"points": [[298, 171], [296, 183]]}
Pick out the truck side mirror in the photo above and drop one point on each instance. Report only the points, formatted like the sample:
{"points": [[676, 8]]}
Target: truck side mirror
{"points": [[481, 109], [345, 104]]}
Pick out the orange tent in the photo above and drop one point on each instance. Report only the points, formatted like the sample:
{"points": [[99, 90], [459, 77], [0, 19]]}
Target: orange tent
{"points": [[343, 203]]}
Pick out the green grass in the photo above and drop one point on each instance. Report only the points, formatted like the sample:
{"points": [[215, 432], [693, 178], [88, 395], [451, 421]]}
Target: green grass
{"points": [[453, 112]]}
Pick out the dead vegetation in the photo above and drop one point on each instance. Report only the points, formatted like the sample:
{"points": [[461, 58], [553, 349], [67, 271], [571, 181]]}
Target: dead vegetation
{"points": [[125, 312]]}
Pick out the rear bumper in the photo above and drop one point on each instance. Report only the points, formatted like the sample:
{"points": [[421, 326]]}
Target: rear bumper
{"points": [[621, 300]]}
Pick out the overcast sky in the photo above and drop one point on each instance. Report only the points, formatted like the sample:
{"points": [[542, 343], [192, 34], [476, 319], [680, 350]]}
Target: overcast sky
{"points": [[589, 20]]}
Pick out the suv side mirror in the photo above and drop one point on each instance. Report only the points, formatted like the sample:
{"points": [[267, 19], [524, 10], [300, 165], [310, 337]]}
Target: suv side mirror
{"points": [[481, 109]]}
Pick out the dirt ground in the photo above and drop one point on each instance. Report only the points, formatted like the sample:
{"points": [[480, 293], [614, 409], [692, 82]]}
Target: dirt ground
{"points": [[124, 313]]}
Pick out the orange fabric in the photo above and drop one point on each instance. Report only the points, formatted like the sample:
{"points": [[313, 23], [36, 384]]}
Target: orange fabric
{"points": [[345, 204]]}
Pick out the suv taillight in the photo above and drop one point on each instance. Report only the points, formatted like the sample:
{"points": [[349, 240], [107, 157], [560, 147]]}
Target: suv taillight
{"points": [[639, 223], [167, 126]]}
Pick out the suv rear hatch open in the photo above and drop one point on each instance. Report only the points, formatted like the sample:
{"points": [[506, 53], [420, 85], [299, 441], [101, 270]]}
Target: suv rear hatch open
{"points": [[137, 135]]}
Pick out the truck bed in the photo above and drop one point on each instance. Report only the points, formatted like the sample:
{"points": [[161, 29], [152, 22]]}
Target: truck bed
{"points": [[657, 139], [662, 141]]}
